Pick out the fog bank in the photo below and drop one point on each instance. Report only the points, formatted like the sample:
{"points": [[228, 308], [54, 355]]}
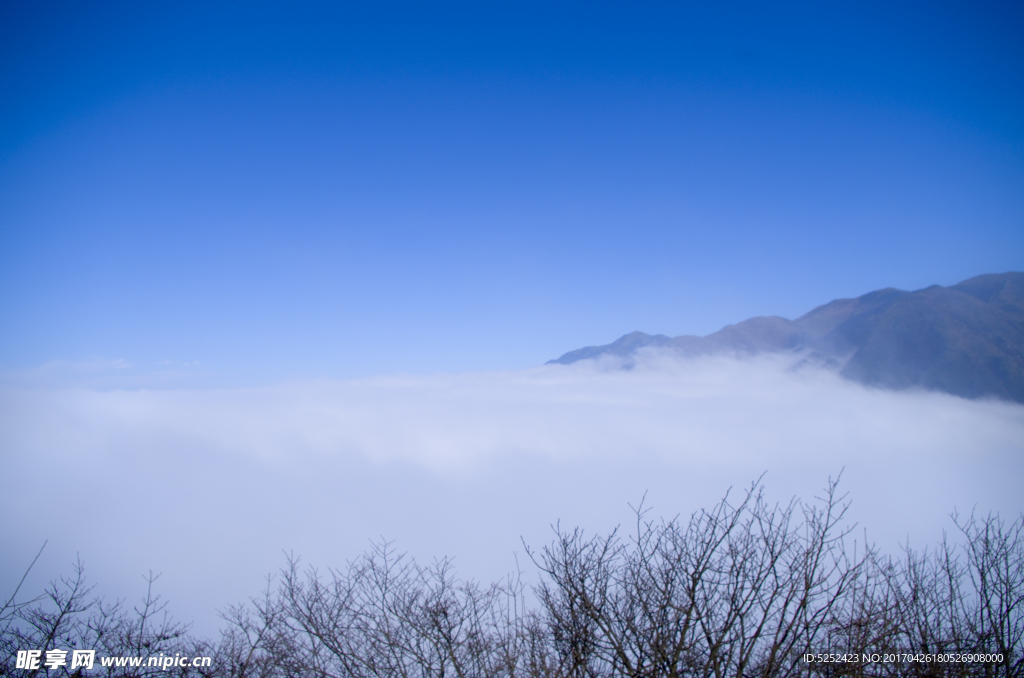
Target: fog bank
{"points": [[209, 486]]}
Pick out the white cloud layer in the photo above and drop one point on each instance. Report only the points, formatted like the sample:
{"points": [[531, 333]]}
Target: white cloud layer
{"points": [[209, 485]]}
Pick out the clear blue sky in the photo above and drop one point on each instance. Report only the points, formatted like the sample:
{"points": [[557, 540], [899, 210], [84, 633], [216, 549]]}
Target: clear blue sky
{"points": [[301, 190]]}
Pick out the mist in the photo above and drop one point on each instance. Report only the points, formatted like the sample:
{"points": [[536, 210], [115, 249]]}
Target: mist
{"points": [[210, 487]]}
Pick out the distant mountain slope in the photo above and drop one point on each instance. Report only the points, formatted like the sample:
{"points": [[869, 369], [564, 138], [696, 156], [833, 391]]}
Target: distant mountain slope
{"points": [[967, 339]]}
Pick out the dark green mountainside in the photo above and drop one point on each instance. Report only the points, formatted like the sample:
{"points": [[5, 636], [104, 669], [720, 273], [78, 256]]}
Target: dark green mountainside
{"points": [[967, 339]]}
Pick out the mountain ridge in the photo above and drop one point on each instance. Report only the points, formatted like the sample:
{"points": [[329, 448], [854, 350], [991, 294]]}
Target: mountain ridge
{"points": [[966, 339]]}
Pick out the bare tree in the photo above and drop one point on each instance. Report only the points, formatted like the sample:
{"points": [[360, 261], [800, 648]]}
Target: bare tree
{"points": [[66, 617], [737, 590], [747, 588], [386, 616]]}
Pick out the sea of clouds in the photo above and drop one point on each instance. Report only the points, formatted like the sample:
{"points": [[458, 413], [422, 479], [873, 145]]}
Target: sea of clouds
{"points": [[209, 487]]}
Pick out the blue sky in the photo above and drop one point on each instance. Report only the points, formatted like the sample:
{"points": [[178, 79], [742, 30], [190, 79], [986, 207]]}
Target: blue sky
{"points": [[304, 190]]}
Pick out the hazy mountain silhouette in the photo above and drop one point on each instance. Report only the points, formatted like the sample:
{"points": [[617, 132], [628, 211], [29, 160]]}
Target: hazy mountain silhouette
{"points": [[967, 339]]}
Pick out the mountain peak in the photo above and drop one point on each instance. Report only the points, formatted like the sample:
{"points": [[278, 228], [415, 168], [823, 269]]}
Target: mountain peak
{"points": [[967, 339]]}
